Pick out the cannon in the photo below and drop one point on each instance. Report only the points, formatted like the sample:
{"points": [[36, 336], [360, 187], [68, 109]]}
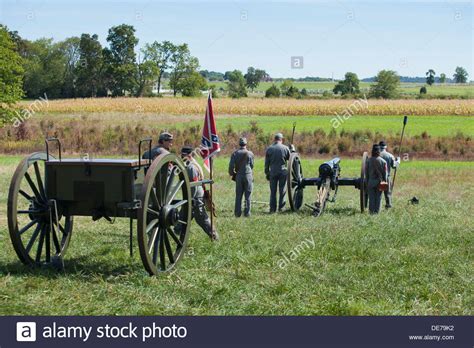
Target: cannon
{"points": [[328, 180], [47, 192]]}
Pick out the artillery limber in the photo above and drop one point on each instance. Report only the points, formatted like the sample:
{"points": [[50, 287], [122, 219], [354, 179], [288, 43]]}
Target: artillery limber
{"points": [[46, 193], [328, 180]]}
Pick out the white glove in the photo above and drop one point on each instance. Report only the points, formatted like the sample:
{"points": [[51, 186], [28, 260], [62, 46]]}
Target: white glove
{"points": [[397, 162]]}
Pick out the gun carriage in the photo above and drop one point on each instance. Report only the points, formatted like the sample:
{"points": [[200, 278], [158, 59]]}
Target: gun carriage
{"points": [[328, 180], [47, 192]]}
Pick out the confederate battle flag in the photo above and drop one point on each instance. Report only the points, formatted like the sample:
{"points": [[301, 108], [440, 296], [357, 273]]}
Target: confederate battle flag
{"points": [[210, 141]]}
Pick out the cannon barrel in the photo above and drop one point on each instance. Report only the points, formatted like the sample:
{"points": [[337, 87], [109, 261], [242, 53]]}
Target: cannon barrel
{"points": [[327, 168]]}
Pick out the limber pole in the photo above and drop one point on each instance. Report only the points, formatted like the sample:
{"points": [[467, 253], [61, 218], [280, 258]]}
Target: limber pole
{"points": [[405, 120]]}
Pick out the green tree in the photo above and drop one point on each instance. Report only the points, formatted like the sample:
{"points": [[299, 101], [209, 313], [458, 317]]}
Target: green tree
{"points": [[11, 75], [160, 53], [70, 51], [120, 59], [286, 86], [442, 78], [350, 84], [386, 84], [273, 91], [288, 89], [460, 75], [236, 84], [430, 77], [293, 92], [183, 64], [147, 72], [45, 68], [253, 77], [89, 69], [192, 84], [423, 90]]}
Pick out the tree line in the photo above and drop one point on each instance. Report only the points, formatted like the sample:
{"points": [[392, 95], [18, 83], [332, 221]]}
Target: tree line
{"points": [[81, 67]]}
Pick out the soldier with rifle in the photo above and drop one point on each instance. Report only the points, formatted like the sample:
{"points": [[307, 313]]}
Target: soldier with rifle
{"points": [[392, 163], [241, 171], [276, 171]]}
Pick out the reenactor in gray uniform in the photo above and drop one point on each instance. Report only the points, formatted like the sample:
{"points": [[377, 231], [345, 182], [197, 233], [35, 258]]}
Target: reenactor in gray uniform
{"points": [[376, 172], [197, 193], [276, 158], [165, 141], [392, 163], [240, 169]]}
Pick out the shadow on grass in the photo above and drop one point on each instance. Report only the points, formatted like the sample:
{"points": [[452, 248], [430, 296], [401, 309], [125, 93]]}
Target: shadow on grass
{"points": [[81, 266], [342, 211]]}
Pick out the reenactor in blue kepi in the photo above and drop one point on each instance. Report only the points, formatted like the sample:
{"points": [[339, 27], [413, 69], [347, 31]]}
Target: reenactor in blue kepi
{"points": [[165, 141], [199, 212], [392, 163], [241, 171], [276, 171], [376, 173]]}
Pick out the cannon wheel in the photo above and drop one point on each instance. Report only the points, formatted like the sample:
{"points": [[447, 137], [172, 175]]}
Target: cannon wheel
{"points": [[364, 195], [36, 234], [164, 218], [294, 179]]}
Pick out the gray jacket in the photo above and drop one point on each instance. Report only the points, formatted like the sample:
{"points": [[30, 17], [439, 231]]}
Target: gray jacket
{"points": [[238, 164], [276, 157], [194, 174], [155, 152], [390, 159], [376, 170]]}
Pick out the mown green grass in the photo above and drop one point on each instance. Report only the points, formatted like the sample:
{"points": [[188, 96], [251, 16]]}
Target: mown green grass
{"points": [[433, 125], [387, 125], [413, 260]]}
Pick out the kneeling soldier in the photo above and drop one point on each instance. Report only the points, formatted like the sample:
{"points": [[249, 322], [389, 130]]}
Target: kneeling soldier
{"points": [[240, 169], [197, 193]]}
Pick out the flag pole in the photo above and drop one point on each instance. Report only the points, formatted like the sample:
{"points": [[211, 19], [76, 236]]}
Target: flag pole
{"points": [[211, 165], [211, 176]]}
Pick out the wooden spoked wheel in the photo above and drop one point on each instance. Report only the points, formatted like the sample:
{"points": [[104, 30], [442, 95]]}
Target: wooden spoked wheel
{"points": [[294, 182], [364, 194], [39, 228], [165, 215]]}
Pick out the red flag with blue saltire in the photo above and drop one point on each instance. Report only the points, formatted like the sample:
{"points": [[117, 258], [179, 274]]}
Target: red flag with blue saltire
{"points": [[210, 141]]}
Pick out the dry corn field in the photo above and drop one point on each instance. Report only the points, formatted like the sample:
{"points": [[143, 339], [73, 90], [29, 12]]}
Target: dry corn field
{"points": [[260, 106]]}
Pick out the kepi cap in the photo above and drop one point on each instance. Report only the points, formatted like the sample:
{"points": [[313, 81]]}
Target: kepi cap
{"points": [[186, 150], [278, 136], [165, 136]]}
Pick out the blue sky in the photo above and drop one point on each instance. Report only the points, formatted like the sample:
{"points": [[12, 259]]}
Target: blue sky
{"points": [[332, 36]]}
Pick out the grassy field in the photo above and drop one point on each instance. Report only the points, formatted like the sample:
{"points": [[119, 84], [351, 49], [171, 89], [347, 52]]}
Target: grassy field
{"points": [[405, 88], [412, 260], [391, 124]]}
